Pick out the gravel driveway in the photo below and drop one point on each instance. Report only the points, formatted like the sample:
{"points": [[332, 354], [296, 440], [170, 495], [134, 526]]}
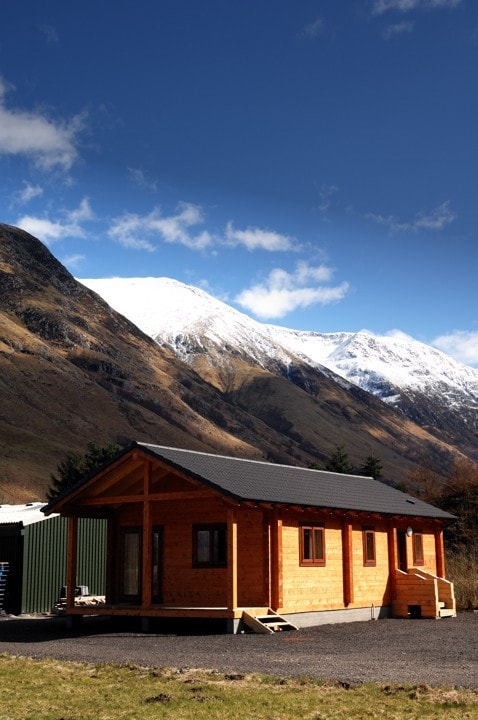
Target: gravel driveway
{"points": [[435, 652]]}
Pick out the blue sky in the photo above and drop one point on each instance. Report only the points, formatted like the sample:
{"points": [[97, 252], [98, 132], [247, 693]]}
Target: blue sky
{"points": [[313, 163]]}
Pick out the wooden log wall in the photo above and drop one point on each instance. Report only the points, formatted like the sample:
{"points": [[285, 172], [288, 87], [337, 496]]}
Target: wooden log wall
{"points": [[184, 585], [311, 588]]}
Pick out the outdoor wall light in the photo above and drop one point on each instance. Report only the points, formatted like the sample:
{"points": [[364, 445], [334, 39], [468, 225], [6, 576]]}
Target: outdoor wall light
{"points": [[409, 531]]}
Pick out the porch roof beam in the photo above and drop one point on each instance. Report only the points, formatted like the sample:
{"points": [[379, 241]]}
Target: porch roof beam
{"points": [[153, 497]]}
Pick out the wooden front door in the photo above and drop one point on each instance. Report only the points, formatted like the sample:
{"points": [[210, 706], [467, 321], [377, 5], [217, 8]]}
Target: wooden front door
{"points": [[131, 543]]}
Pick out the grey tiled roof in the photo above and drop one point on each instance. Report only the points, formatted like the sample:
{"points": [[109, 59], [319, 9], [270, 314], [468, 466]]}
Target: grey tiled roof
{"points": [[290, 485]]}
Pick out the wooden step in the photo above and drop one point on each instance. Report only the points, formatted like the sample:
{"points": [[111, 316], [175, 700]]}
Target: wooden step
{"points": [[447, 612], [266, 624]]}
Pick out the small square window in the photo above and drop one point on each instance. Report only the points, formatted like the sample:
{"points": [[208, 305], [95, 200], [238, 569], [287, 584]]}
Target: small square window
{"points": [[312, 545], [369, 556], [210, 545], [418, 557]]}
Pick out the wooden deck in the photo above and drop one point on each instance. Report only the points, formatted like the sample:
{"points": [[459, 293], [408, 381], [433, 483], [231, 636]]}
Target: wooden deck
{"points": [[164, 611]]}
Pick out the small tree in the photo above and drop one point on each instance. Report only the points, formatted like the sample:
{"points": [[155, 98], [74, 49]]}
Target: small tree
{"points": [[372, 467], [339, 461], [75, 466]]}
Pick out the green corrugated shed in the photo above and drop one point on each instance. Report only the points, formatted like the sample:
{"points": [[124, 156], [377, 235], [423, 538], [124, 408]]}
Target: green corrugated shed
{"points": [[36, 548]]}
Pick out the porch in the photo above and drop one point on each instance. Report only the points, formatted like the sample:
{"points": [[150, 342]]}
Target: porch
{"points": [[420, 594]]}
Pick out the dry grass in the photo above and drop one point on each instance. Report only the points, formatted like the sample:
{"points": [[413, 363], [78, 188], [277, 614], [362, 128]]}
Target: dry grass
{"points": [[52, 690], [462, 570]]}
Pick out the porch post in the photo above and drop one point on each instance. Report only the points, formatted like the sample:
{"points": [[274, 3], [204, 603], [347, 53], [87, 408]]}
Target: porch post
{"points": [[276, 561], [146, 590], [440, 552], [232, 559], [266, 554], [71, 561], [392, 559], [348, 571], [111, 561]]}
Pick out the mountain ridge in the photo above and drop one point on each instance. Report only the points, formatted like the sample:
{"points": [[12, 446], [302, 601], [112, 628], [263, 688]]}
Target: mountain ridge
{"points": [[421, 382], [74, 370]]}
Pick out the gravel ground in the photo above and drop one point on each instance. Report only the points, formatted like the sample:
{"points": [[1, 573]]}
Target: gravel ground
{"points": [[433, 652]]}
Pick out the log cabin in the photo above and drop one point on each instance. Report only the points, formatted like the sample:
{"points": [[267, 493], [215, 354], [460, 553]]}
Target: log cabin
{"points": [[260, 545]]}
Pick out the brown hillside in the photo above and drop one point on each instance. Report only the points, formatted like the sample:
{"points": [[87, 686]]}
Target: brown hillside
{"points": [[72, 370]]}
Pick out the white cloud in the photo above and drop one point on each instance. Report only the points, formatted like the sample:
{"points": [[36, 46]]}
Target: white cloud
{"points": [[176, 228], [436, 219], [140, 232], [283, 292], [49, 144], [83, 212], [128, 231], [27, 193], [326, 193], [73, 261], [51, 231], [382, 6], [398, 29], [398, 334], [50, 34], [460, 344], [143, 232], [141, 179], [254, 238], [314, 28]]}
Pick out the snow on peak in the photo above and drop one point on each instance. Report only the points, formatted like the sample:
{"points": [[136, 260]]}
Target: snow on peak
{"points": [[189, 319], [177, 314], [370, 360]]}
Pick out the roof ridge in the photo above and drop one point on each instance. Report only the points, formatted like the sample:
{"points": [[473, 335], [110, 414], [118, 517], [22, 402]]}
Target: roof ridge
{"points": [[250, 460]]}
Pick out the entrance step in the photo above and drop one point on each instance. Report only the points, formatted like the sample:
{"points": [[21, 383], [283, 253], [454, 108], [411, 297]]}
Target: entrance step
{"points": [[447, 612], [268, 623]]}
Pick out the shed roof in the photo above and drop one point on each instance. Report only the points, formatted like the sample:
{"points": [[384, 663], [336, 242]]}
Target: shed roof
{"points": [[26, 514], [286, 484]]}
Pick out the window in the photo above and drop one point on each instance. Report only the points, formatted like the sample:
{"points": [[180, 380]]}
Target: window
{"points": [[210, 545], [130, 576], [418, 558], [312, 544], [369, 557]]}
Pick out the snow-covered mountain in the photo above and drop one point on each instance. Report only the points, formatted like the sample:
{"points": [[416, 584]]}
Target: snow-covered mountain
{"points": [[383, 364], [190, 320], [427, 385]]}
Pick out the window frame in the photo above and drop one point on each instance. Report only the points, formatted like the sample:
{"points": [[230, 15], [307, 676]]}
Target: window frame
{"points": [[369, 559], [417, 539], [313, 561], [217, 555]]}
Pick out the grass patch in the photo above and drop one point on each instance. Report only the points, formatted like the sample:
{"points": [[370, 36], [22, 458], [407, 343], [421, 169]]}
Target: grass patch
{"points": [[53, 690]]}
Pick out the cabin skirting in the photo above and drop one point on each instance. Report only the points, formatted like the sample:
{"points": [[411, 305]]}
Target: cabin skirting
{"points": [[329, 617], [233, 619]]}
